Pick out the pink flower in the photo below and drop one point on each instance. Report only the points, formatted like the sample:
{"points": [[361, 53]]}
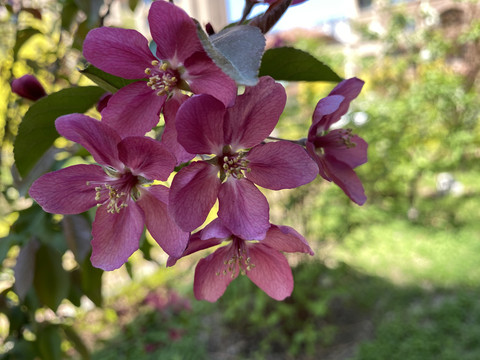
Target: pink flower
{"points": [[180, 63], [338, 152], [115, 186], [206, 126], [28, 87], [262, 261]]}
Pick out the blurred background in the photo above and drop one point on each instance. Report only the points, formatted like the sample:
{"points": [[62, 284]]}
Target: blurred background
{"points": [[397, 278]]}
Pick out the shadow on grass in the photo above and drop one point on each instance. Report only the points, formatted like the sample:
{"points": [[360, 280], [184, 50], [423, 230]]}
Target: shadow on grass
{"points": [[333, 314]]}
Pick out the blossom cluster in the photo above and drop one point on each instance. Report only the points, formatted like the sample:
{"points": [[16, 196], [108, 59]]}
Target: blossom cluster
{"points": [[215, 146]]}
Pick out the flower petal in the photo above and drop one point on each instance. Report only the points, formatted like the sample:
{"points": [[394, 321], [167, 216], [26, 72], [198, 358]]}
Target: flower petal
{"points": [[286, 239], [216, 229], [345, 177], [116, 236], [160, 224], [352, 156], [173, 31], [349, 89], [66, 191], [133, 110], [194, 244], [255, 114], [243, 209], [210, 282], [280, 165], [146, 157], [97, 138], [204, 77], [199, 125], [169, 135], [193, 193], [270, 271], [325, 107], [121, 52]]}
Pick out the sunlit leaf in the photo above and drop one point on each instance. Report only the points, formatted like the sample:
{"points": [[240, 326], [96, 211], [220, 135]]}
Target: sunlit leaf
{"points": [[37, 129], [22, 36], [290, 64]]}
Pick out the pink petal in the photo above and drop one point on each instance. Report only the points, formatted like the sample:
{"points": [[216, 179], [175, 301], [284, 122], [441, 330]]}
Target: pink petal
{"points": [[349, 90], [286, 239], [169, 135], [243, 209], [116, 236], [146, 157], [120, 52], [280, 165], [215, 229], [173, 31], [199, 125], [322, 115], [66, 191], [97, 138], [160, 224], [255, 114], [204, 77], [194, 244], [133, 110], [353, 156], [193, 193], [210, 282], [270, 271], [346, 178]]}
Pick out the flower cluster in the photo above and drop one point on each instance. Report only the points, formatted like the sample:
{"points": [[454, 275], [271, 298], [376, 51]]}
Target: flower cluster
{"points": [[216, 144]]}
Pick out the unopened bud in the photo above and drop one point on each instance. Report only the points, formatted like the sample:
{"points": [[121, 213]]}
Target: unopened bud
{"points": [[28, 87]]}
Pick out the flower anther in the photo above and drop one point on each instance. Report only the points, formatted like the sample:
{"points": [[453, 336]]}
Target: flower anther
{"points": [[162, 78]]}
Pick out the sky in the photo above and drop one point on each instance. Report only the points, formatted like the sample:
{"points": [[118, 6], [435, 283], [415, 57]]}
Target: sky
{"points": [[308, 14]]}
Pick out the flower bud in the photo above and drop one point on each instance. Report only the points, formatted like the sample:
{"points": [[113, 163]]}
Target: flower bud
{"points": [[28, 87], [102, 103]]}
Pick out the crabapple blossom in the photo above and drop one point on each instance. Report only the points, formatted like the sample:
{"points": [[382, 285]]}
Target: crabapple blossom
{"points": [[116, 187], [337, 152], [179, 63], [235, 159]]}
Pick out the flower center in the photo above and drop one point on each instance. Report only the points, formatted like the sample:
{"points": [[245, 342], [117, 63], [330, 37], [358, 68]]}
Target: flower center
{"points": [[239, 258], [162, 78], [345, 138], [234, 165], [115, 193]]}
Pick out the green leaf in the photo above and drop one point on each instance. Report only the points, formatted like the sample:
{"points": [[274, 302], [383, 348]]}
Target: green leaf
{"points": [[22, 36], [287, 63], [92, 282], [107, 81], [24, 268], [69, 12], [76, 341], [37, 129], [78, 233], [49, 341], [223, 48], [51, 281]]}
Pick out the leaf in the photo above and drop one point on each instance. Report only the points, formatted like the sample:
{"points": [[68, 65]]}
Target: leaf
{"points": [[92, 282], [69, 12], [51, 281], [49, 341], [290, 64], [78, 233], [107, 81], [76, 341], [22, 36], [24, 268], [37, 129], [91, 8], [274, 12], [237, 51]]}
